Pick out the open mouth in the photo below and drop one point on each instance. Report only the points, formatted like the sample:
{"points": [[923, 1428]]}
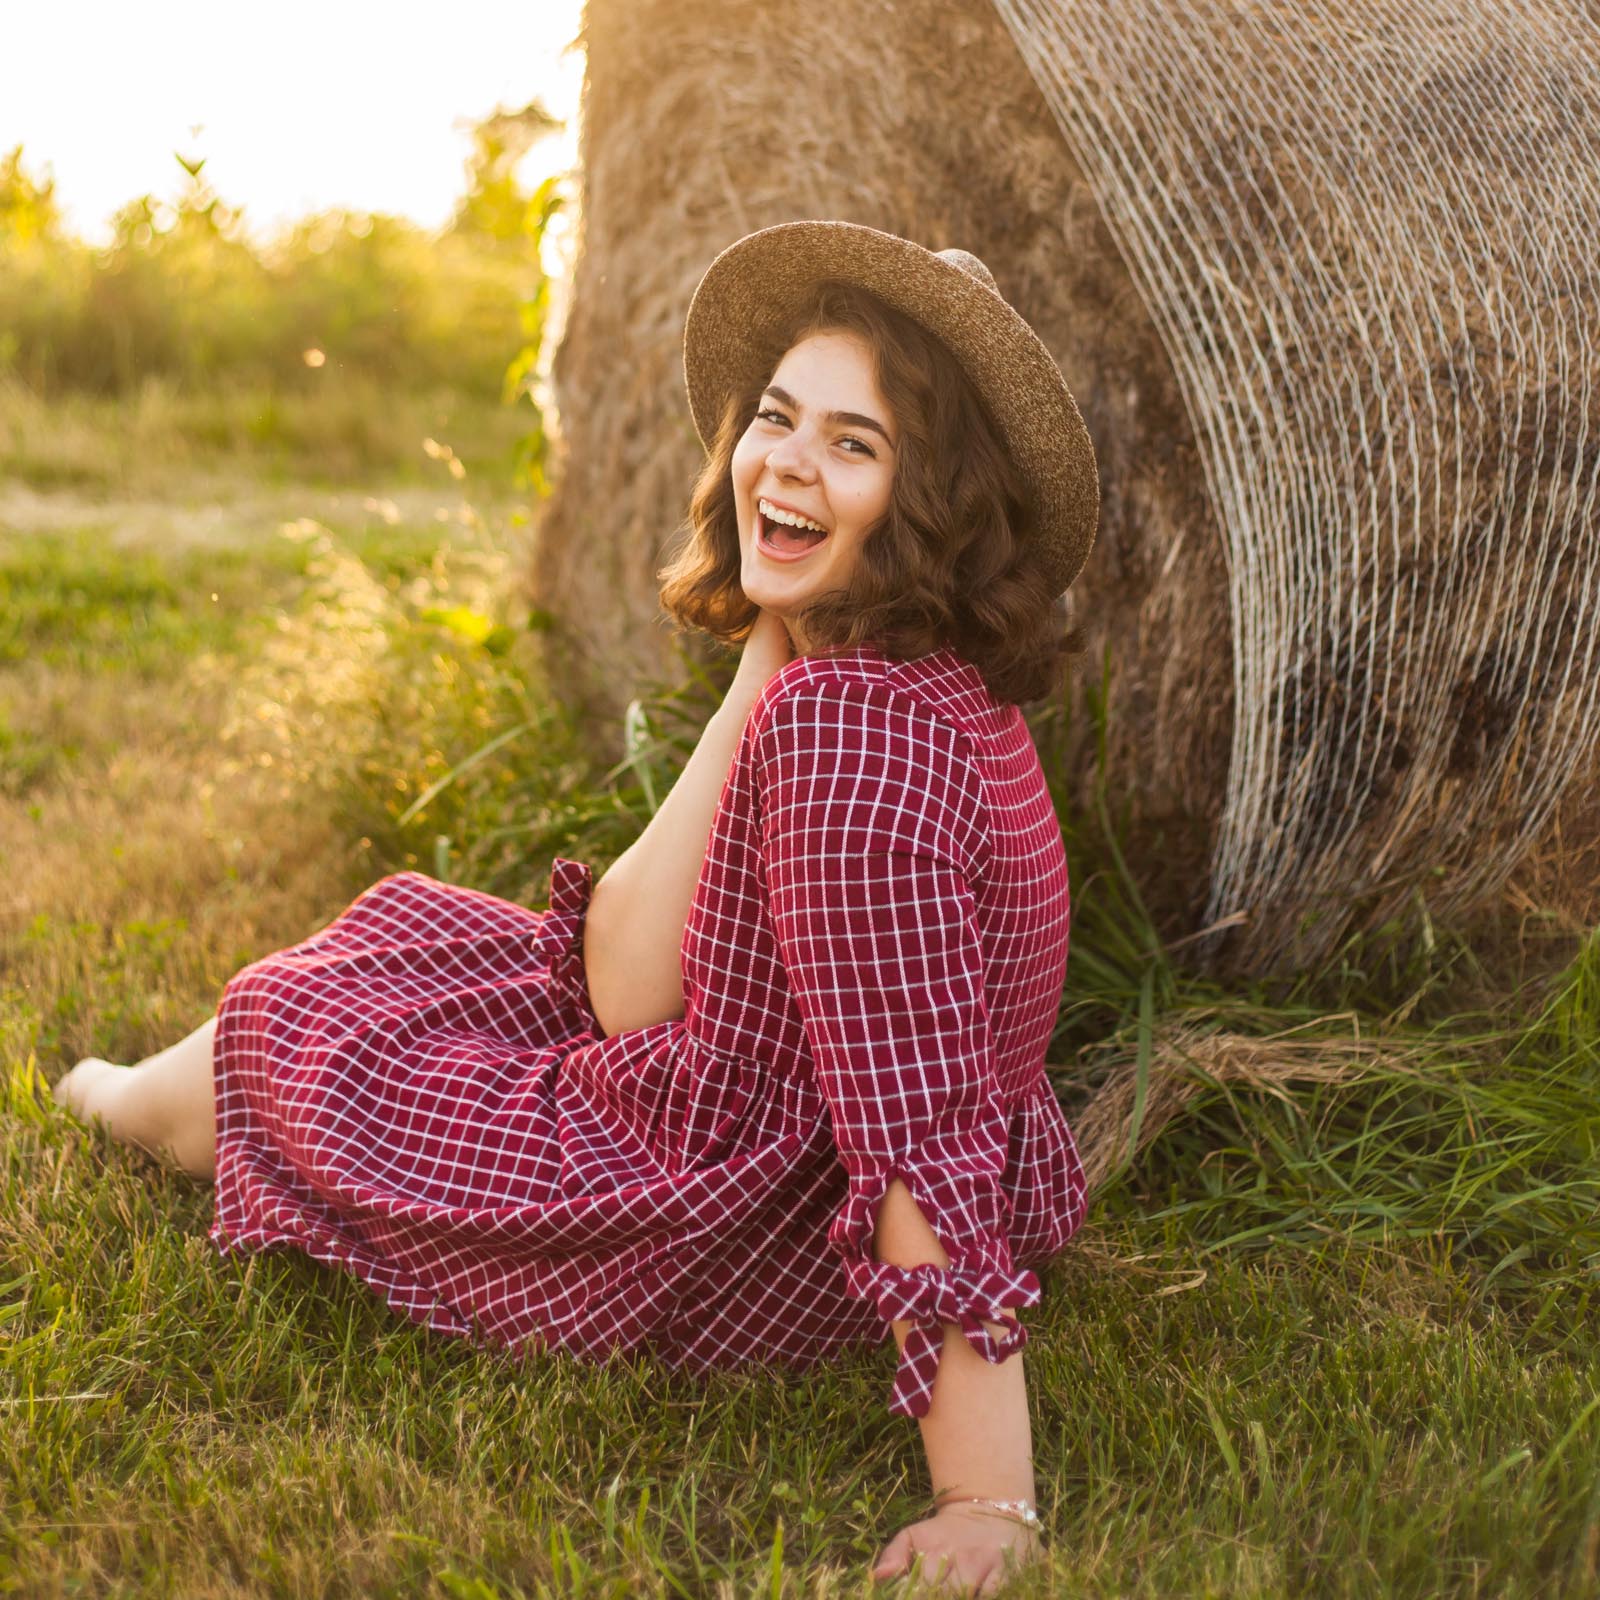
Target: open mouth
{"points": [[782, 540]]}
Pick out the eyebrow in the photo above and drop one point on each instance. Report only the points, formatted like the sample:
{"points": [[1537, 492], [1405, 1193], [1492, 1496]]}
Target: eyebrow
{"points": [[854, 418]]}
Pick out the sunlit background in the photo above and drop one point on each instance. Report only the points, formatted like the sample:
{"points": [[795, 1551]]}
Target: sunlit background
{"points": [[315, 233], [295, 107]]}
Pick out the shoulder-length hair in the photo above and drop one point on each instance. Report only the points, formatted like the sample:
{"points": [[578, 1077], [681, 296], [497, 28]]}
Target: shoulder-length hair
{"points": [[949, 563]]}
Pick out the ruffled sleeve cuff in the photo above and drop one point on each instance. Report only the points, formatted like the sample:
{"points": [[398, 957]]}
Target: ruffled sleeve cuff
{"points": [[559, 938], [929, 1297]]}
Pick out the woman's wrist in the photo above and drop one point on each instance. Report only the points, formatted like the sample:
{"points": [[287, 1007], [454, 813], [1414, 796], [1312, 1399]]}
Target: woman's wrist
{"points": [[1021, 1510]]}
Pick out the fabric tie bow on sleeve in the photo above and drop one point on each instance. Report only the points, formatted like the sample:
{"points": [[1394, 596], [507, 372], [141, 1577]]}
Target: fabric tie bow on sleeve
{"points": [[929, 1297]]}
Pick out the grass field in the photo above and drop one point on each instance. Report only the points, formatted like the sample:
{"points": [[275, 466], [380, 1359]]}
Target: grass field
{"points": [[1338, 1343]]}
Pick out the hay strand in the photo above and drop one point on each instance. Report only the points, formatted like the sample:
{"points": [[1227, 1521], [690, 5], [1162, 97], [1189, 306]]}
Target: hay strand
{"points": [[1140, 1093]]}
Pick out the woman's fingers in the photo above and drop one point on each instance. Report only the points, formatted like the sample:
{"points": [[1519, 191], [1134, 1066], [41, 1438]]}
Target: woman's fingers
{"points": [[902, 1551], [895, 1557], [968, 1560]]}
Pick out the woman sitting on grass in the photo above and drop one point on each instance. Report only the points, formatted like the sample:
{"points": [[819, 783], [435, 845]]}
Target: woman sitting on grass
{"points": [[775, 1085]]}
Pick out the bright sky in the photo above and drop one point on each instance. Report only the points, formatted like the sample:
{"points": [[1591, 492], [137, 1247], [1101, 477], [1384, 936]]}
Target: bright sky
{"points": [[297, 105]]}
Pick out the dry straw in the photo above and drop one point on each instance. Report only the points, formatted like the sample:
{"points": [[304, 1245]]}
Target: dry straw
{"points": [[1367, 236], [1137, 1097], [1321, 281]]}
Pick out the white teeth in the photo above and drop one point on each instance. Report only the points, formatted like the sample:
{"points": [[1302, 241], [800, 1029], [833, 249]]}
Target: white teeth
{"points": [[774, 514]]}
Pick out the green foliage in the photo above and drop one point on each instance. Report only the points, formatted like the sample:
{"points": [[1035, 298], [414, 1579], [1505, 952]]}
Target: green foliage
{"points": [[520, 381], [182, 294], [496, 206], [239, 439], [30, 217]]}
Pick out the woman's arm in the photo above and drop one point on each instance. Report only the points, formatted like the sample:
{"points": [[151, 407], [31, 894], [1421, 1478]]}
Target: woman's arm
{"points": [[874, 828], [633, 930], [976, 1433]]}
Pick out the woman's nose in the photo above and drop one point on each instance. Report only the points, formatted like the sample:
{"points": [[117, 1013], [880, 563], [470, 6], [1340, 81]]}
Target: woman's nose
{"points": [[791, 455]]}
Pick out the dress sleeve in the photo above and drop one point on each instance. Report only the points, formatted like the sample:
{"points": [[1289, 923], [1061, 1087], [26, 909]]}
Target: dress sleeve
{"points": [[873, 830]]}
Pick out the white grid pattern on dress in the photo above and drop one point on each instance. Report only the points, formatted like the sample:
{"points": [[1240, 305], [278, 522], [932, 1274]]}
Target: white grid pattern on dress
{"points": [[420, 1093]]}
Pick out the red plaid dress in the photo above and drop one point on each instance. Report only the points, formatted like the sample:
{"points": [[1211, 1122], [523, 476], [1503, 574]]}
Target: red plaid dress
{"points": [[872, 965]]}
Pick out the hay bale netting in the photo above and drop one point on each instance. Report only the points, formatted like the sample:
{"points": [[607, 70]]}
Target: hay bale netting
{"points": [[1343, 392], [919, 117], [1368, 235]]}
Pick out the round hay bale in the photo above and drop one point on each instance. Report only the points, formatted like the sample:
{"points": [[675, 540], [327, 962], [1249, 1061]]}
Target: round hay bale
{"points": [[1367, 234], [919, 117], [1321, 281]]}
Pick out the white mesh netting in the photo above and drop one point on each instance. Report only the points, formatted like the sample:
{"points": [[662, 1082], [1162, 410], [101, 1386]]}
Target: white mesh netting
{"points": [[1367, 235]]}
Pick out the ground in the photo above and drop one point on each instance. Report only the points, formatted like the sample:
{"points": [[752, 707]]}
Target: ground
{"points": [[208, 735]]}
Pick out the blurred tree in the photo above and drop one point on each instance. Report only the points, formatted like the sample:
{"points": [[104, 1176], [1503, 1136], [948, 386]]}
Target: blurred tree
{"points": [[183, 295], [181, 287], [29, 213], [496, 206], [497, 209]]}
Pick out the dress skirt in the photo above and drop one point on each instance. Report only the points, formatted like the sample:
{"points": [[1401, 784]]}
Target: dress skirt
{"points": [[420, 1094]]}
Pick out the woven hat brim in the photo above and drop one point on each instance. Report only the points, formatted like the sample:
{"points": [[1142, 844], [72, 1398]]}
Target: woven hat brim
{"points": [[755, 287]]}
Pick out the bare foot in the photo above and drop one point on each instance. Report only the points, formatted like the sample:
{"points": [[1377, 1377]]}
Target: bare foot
{"points": [[120, 1097], [94, 1088], [164, 1104]]}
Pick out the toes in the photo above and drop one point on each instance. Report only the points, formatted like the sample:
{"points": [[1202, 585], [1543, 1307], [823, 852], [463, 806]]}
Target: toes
{"points": [[67, 1085], [76, 1086]]}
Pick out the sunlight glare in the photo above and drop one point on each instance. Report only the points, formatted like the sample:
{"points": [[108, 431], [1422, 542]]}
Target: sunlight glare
{"points": [[362, 105]]}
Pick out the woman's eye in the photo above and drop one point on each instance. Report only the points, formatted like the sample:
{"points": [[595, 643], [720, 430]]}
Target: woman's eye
{"points": [[848, 439]]}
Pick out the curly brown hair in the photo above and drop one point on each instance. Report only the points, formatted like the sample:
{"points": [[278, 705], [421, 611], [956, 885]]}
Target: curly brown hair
{"points": [[950, 562]]}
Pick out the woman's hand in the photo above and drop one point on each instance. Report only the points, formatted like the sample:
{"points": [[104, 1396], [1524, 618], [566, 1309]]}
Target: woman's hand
{"points": [[768, 648], [965, 1546]]}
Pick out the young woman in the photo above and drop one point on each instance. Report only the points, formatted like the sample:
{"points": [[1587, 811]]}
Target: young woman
{"points": [[774, 1086]]}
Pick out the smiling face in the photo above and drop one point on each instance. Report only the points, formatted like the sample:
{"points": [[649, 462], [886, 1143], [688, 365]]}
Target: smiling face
{"points": [[820, 453]]}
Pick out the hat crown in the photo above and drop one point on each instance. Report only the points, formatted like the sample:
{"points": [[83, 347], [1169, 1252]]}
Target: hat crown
{"points": [[970, 265]]}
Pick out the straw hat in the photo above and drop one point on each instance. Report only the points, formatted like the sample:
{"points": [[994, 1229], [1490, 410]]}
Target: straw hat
{"points": [[755, 286]]}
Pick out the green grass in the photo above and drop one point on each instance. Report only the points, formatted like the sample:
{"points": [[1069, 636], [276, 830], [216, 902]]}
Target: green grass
{"points": [[168, 440], [1339, 1341], [64, 605]]}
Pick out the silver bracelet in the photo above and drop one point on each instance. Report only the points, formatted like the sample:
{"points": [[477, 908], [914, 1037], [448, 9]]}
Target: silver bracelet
{"points": [[1019, 1509]]}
